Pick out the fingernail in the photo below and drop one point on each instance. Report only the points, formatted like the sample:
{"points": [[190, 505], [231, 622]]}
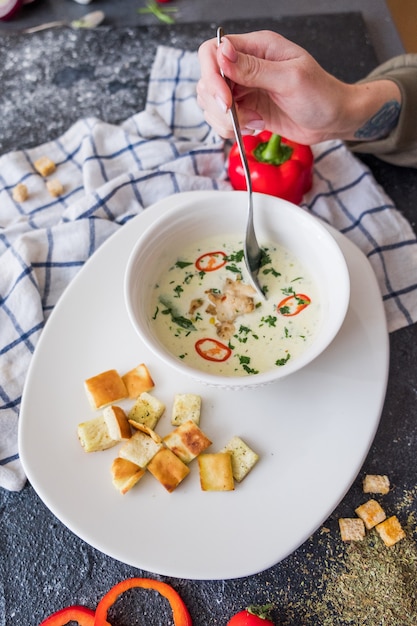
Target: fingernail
{"points": [[228, 51], [221, 103], [255, 125]]}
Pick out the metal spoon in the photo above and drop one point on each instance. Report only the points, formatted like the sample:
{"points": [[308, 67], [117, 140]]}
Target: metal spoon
{"points": [[252, 250], [90, 20]]}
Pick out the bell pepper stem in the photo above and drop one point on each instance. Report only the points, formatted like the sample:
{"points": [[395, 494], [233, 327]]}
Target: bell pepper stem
{"points": [[273, 151]]}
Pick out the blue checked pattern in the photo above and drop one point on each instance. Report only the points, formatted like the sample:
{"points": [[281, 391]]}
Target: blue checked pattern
{"points": [[111, 173]]}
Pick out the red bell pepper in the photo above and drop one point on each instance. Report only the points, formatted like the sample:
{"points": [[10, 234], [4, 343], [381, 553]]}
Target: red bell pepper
{"points": [[179, 610], [80, 614], [278, 167]]}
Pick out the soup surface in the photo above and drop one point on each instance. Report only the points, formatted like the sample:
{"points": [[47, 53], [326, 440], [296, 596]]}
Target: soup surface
{"points": [[206, 312]]}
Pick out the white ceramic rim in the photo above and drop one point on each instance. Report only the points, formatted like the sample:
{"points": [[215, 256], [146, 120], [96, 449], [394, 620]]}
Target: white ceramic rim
{"points": [[150, 243]]}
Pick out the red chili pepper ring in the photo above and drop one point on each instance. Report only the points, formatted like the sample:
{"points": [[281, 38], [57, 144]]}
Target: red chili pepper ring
{"points": [[211, 261], [212, 350]]}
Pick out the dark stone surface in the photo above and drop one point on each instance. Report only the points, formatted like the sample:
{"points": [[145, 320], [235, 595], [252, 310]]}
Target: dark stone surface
{"points": [[52, 78], [49, 80]]}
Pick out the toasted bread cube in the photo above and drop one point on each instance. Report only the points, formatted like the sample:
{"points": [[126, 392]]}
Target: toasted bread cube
{"points": [[371, 512], [351, 529], [147, 410], [216, 472], [187, 441], [94, 435], [125, 474], [44, 166], [390, 531], [243, 457], [140, 449], [20, 193], [104, 389], [116, 421], [55, 187], [187, 406], [168, 469], [138, 380], [374, 483], [147, 430]]}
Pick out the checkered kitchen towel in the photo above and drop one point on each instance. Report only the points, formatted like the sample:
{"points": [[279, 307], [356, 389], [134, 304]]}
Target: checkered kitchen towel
{"points": [[111, 173]]}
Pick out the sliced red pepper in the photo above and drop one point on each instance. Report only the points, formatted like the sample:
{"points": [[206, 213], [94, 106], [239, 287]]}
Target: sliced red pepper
{"points": [[80, 614], [212, 350], [278, 167], [179, 610], [294, 304], [210, 261]]}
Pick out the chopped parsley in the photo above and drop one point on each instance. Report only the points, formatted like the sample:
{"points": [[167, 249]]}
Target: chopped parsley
{"points": [[283, 361], [244, 362], [270, 320], [179, 320], [182, 264]]}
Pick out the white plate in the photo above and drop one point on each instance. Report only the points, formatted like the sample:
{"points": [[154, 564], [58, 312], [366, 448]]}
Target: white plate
{"points": [[312, 431]]}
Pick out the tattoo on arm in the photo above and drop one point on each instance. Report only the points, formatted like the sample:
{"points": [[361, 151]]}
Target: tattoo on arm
{"points": [[382, 123]]}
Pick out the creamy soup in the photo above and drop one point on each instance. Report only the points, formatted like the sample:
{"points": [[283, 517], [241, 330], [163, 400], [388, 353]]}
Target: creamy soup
{"points": [[208, 315]]}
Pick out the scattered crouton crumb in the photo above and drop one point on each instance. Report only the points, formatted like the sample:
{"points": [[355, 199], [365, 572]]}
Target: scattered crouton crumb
{"points": [[374, 483], [55, 188], [44, 166], [20, 193], [390, 531], [352, 529], [371, 512]]}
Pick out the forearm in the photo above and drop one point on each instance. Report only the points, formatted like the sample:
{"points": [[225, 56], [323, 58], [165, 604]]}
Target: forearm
{"points": [[369, 112]]}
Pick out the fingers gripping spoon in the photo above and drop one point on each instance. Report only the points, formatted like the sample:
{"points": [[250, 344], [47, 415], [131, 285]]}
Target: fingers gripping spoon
{"points": [[252, 250]]}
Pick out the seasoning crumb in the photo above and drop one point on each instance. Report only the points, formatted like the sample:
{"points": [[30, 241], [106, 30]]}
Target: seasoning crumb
{"points": [[390, 531], [375, 483], [20, 193], [371, 512]]}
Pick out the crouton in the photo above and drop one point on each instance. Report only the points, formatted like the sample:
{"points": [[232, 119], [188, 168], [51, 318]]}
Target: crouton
{"points": [[147, 430], [94, 435], [187, 441], [147, 410], [390, 531], [166, 467], [44, 166], [186, 406], [139, 449], [216, 472], [243, 457], [55, 187], [125, 474], [138, 380], [371, 512], [117, 423], [104, 389], [374, 483], [20, 193], [352, 529]]}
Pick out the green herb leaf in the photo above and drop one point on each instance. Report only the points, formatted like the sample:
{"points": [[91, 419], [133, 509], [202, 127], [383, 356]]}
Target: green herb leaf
{"points": [[161, 13], [283, 361], [179, 320]]}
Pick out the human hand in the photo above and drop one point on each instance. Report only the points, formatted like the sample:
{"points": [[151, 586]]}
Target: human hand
{"points": [[279, 86]]}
